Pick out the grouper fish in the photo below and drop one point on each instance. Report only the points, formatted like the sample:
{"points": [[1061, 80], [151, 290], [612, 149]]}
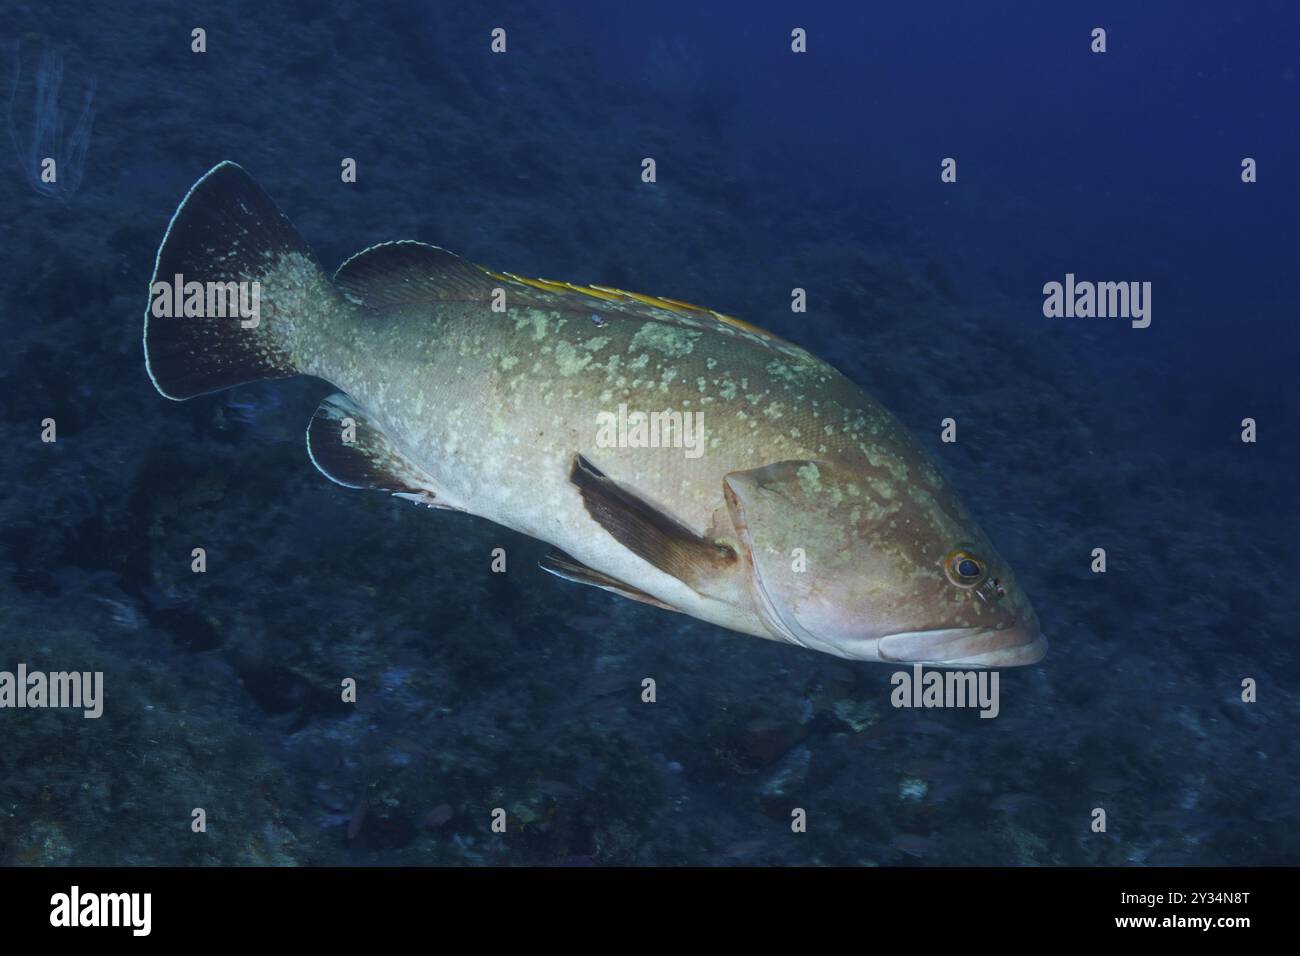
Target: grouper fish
{"points": [[804, 512]]}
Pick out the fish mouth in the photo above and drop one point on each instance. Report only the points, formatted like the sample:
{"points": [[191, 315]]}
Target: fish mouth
{"points": [[1013, 646]]}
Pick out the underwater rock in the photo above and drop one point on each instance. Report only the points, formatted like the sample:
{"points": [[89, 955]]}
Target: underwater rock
{"points": [[780, 792], [437, 817], [762, 742]]}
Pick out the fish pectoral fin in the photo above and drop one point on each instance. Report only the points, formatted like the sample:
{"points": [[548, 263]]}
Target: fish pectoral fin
{"points": [[563, 566], [349, 448], [647, 531]]}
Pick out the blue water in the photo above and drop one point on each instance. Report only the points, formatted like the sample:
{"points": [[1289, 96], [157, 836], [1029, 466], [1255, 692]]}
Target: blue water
{"points": [[775, 170]]}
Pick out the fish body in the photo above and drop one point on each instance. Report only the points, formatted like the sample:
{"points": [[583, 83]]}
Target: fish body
{"points": [[772, 496]]}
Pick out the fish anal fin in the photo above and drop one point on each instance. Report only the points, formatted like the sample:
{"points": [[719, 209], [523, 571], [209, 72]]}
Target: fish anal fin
{"points": [[563, 566], [349, 448], [648, 532]]}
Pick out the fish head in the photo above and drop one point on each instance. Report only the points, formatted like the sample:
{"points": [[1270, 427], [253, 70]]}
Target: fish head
{"points": [[865, 567]]}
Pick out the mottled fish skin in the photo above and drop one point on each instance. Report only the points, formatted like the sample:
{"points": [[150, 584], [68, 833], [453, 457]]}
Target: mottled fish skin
{"points": [[495, 408]]}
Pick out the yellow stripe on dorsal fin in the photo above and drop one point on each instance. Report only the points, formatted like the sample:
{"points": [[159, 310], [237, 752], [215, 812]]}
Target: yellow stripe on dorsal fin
{"points": [[683, 305], [677, 305], [658, 301], [595, 291], [546, 285], [609, 294]]}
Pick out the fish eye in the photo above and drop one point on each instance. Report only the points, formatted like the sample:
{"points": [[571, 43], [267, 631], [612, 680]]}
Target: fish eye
{"points": [[964, 569]]}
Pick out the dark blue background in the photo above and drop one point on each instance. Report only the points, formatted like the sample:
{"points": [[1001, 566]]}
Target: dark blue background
{"points": [[774, 171]]}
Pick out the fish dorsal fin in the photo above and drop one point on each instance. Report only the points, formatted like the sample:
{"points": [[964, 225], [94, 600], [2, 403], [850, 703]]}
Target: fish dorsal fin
{"points": [[648, 532], [401, 273], [563, 566], [598, 296], [349, 448], [394, 274]]}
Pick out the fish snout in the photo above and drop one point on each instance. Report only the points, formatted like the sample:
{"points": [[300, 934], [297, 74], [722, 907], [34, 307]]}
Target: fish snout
{"points": [[1015, 645]]}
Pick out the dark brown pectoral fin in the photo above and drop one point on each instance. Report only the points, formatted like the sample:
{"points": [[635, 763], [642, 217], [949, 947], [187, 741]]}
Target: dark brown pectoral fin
{"points": [[563, 566], [648, 532]]}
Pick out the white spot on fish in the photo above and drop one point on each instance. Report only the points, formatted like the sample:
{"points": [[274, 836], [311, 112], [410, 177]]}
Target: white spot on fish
{"points": [[668, 339]]}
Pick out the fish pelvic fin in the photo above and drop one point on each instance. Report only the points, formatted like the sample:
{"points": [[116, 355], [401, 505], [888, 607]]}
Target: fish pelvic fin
{"points": [[351, 449], [647, 531], [563, 566], [233, 286]]}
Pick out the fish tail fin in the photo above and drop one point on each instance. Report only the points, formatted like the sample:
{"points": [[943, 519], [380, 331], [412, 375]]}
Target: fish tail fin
{"points": [[233, 286]]}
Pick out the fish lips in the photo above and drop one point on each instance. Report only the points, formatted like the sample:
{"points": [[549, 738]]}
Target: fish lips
{"points": [[1013, 646]]}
